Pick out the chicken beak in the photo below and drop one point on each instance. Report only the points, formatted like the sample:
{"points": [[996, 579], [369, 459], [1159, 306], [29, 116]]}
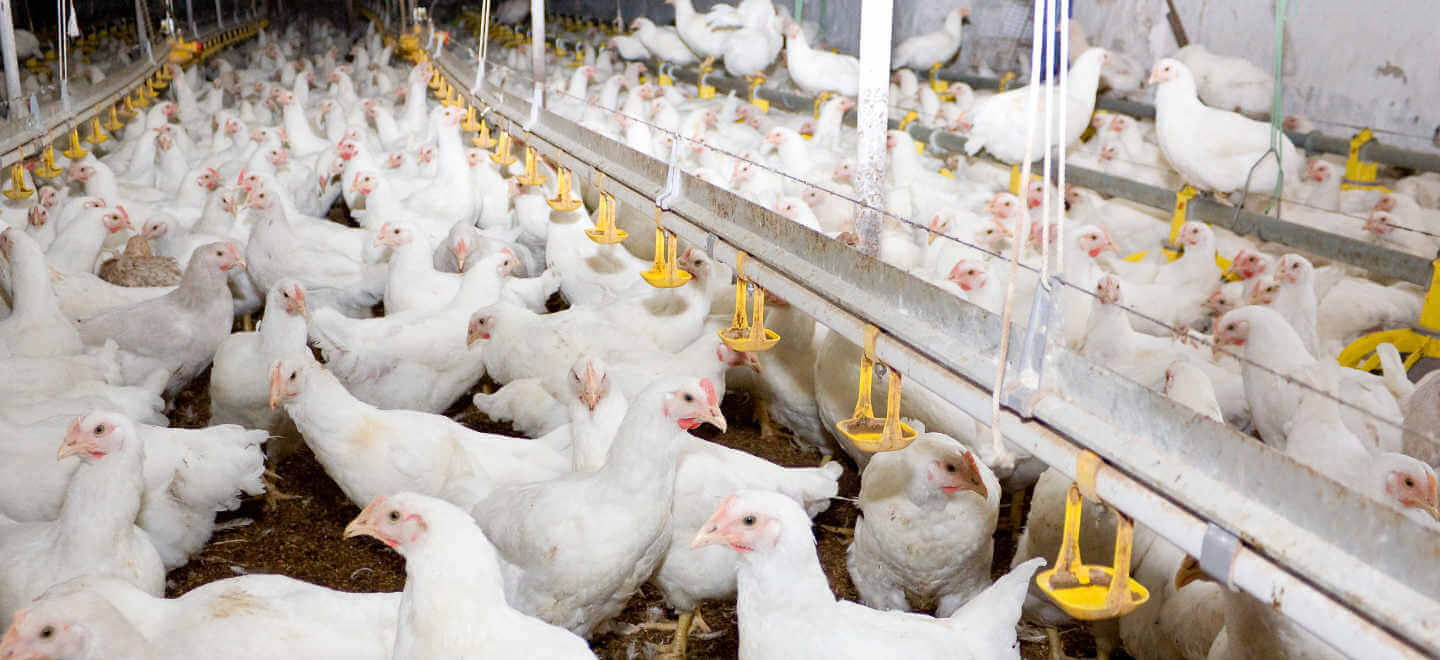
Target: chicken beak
{"points": [[460, 249], [590, 392], [710, 533], [276, 386], [752, 360], [361, 525], [1430, 508], [1188, 572], [76, 442], [714, 417], [967, 477], [297, 304]]}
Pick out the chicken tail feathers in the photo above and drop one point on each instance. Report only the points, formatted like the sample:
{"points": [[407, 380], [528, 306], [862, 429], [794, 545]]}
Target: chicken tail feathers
{"points": [[988, 620], [221, 465]]}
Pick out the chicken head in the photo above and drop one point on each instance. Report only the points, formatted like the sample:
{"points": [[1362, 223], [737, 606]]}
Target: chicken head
{"points": [[389, 520], [1248, 264], [746, 521], [1231, 330], [968, 276], [45, 634], [92, 435], [589, 381], [481, 327], [1410, 483], [694, 403], [1165, 70]]}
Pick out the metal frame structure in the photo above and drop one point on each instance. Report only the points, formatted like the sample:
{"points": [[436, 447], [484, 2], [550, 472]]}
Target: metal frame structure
{"points": [[112, 91], [1300, 538], [1379, 261]]}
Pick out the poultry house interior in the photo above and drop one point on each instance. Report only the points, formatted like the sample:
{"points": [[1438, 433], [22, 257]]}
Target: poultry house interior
{"points": [[964, 329]]}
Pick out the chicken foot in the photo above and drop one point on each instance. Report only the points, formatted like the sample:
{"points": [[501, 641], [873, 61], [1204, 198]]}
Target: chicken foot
{"points": [[682, 626], [273, 495]]}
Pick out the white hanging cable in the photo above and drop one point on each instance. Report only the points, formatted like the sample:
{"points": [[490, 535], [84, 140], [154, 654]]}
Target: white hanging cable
{"points": [[484, 46], [1064, 139], [1003, 456], [62, 32], [1046, 149]]}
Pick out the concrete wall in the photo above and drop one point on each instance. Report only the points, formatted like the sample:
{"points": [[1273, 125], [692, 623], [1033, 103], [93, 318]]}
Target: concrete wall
{"points": [[1370, 63]]}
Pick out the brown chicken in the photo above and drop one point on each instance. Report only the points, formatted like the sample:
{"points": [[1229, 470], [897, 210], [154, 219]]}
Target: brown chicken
{"points": [[139, 267]]}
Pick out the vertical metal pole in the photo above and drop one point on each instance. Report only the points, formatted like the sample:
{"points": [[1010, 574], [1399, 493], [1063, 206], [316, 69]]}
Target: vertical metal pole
{"points": [[219, 15], [16, 105], [872, 115], [190, 15], [537, 53], [143, 30]]}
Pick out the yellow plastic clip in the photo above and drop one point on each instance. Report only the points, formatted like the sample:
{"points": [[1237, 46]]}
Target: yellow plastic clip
{"points": [[482, 137], [909, 117], [665, 79], [470, 125], [562, 201], [1359, 174], [75, 151], [1005, 81], [46, 168], [1015, 179], [666, 273], [755, 100], [706, 90], [97, 135], [1182, 205], [18, 189], [1091, 592], [532, 176], [862, 428], [940, 86], [743, 335], [820, 100], [502, 155], [945, 171]]}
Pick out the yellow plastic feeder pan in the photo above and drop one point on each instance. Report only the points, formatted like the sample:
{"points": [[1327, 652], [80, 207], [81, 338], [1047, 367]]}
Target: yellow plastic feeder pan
{"points": [[868, 433], [665, 273], [743, 335], [1091, 592], [605, 231], [562, 201]]}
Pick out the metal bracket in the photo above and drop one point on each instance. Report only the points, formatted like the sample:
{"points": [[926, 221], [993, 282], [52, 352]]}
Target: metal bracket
{"points": [[1025, 372], [710, 240], [671, 191], [34, 122], [536, 98], [1217, 554]]}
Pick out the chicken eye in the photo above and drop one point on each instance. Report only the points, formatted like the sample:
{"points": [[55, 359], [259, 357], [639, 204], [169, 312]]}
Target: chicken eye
{"points": [[292, 375], [395, 516], [100, 429], [689, 398], [950, 467], [1409, 482], [749, 521], [47, 632], [219, 253]]}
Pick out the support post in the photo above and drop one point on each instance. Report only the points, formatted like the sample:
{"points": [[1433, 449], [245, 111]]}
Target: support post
{"points": [[13, 94], [190, 16], [872, 119], [537, 53], [219, 15], [142, 30]]}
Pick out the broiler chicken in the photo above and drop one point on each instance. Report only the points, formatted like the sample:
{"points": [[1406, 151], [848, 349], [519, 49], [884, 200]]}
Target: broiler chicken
{"points": [[923, 539], [786, 608], [454, 604]]}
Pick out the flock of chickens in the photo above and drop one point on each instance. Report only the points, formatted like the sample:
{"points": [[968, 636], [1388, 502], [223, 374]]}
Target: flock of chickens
{"points": [[126, 278]]}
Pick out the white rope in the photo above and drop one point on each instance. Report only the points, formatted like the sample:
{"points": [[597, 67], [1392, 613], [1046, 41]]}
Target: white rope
{"points": [[484, 47], [1003, 456], [1048, 90], [1064, 139]]}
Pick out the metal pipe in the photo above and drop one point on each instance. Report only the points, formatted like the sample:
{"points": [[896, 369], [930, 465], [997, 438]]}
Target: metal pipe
{"points": [[872, 110], [15, 105], [537, 50], [190, 14], [219, 15]]}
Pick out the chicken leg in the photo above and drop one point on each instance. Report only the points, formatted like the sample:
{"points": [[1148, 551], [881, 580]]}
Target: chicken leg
{"points": [[684, 623], [273, 495]]}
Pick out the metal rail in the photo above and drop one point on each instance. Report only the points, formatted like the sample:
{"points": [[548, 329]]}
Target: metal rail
{"points": [[1302, 533], [1379, 261], [111, 91]]}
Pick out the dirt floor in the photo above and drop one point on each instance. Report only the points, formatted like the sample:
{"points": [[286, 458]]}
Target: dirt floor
{"points": [[301, 537]]}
